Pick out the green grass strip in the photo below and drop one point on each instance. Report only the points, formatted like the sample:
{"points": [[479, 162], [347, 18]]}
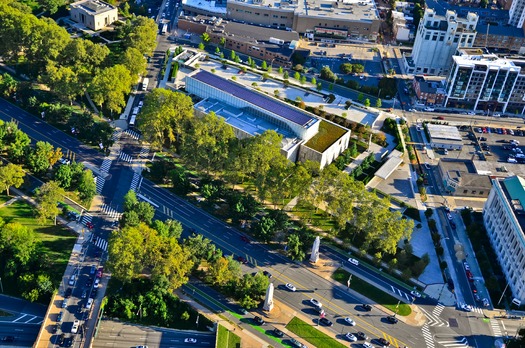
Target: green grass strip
{"points": [[373, 293], [311, 334], [227, 339]]}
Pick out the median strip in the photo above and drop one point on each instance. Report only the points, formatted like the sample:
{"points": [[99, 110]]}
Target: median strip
{"points": [[379, 296], [312, 335]]}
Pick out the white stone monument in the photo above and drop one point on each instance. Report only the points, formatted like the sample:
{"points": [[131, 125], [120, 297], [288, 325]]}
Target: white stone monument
{"points": [[315, 250], [268, 300]]}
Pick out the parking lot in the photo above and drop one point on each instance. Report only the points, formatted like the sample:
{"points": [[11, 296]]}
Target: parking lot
{"points": [[505, 145]]}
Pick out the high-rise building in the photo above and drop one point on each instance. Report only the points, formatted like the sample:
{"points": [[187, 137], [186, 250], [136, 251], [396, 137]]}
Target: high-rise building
{"points": [[517, 13], [437, 39], [485, 82], [504, 219]]}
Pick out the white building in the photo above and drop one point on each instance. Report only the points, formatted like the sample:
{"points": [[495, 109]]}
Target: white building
{"points": [[250, 112], [94, 14], [504, 219], [400, 27], [517, 13], [485, 82], [437, 39]]}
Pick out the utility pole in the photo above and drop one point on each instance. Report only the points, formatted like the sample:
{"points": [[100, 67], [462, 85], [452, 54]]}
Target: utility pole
{"points": [[348, 281]]}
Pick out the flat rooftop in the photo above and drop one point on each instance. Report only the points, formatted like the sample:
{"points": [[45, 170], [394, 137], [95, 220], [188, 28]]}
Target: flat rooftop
{"points": [[272, 106], [328, 134], [471, 60], [243, 120], [93, 6], [209, 6], [438, 131], [514, 190], [352, 10]]}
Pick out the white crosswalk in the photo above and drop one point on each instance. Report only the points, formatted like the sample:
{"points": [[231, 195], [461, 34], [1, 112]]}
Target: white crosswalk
{"points": [[87, 217], [116, 135], [133, 134], [102, 244], [427, 335], [496, 328], [144, 151], [100, 184], [438, 309], [27, 319], [111, 212], [454, 342], [125, 157], [402, 293], [106, 164], [434, 319], [477, 310], [135, 182]]}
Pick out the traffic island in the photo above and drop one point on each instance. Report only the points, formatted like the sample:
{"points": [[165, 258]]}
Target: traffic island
{"points": [[314, 336]]}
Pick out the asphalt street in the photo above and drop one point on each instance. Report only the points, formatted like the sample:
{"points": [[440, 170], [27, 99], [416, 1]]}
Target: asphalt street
{"points": [[122, 335], [25, 321]]}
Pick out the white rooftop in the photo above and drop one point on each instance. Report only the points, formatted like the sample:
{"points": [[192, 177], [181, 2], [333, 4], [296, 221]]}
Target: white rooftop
{"points": [[438, 131], [209, 6]]}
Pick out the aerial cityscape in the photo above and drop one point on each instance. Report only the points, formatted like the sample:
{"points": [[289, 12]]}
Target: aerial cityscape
{"points": [[256, 173]]}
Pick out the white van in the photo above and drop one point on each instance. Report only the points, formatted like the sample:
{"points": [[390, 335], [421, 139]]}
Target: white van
{"points": [[89, 303], [72, 279]]}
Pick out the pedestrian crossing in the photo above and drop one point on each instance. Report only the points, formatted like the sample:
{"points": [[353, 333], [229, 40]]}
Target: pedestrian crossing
{"points": [[402, 294], [102, 244], [116, 135], [433, 318], [427, 335], [135, 182], [454, 342], [111, 212], [135, 135], [144, 151], [106, 164], [100, 184], [125, 157], [27, 319], [87, 217], [477, 310], [496, 328]]}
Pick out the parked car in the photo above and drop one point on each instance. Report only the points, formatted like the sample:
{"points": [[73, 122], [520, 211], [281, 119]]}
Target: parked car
{"points": [[60, 316], [74, 328], [415, 293], [258, 320], [268, 274], [351, 337], [278, 333], [100, 272], [68, 292], [296, 343], [361, 335], [383, 342], [190, 340]]}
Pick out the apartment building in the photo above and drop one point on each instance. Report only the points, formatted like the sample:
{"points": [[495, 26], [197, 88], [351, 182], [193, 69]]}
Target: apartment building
{"points": [[484, 82], [437, 39], [504, 219]]}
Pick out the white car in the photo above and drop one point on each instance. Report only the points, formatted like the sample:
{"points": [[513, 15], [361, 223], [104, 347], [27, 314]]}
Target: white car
{"points": [[351, 337], [429, 109], [349, 321], [415, 293], [141, 103], [449, 216], [96, 283], [72, 279], [290, 287], [74, 329], [466, 307], [367, 345], [190, 340], [89, 303], [316, 303], [353, 261], [418, 127]]}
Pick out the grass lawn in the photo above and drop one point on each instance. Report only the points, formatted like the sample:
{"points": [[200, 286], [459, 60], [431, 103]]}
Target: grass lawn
{"points": [[319, 219], [56, 242], [311, 334], [227, 339], [372, 292]]}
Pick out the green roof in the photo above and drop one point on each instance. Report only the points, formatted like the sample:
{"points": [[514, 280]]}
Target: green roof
{"points": [[516, 188], [328, 134]]}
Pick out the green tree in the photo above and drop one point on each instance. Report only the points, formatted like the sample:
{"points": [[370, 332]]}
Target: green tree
{"points": [[378, 103], [295, 248], [11, 175], [201, 249], [297, 76], [208, 142], [17, 145], [63, 81], [8, 85], [130, 200], [302, 79], [110, 87], [360, 97], [51, 6], [327, 74], [179, 180], [140, 33], [224, 271], [87, 188], [63, 176], [43, 157], [319, 86], [169, 228], [358, 68], [18, 242], [205, 37], [345, 68], [232, 55], [264, 65], [264, 229], [164, 116], [286, 76], [126, 253], [48, 197], [280, 70], [313, 81], [201, 46], [217, 50], [222, 41], [134, 61]]}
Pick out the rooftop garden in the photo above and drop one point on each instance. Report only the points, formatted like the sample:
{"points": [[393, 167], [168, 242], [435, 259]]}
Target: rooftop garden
{"points": [[328, 134]]}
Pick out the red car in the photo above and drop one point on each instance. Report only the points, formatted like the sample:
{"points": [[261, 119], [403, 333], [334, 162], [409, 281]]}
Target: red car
{"points": [[89, 225], [440, 118], [245, 239], [100, 272], [469, 275]]}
